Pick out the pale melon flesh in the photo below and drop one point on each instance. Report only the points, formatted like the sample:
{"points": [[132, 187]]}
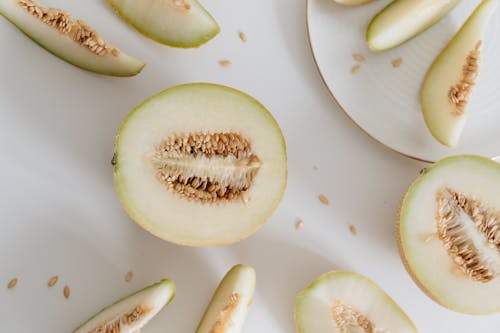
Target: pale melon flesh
{"points": [[178, 23], [230, 303], [402, 20], [449, 233], [200, 164], [448, 85], [63, 45], [133, 312], [342, 301]]}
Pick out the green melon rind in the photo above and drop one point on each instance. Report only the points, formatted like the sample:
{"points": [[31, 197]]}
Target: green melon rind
{"points": [[167, 41], [164, 282], [69, 60], [352, 2], [369, 29], [332, 275], [116, 161], [222, 285], [400, 226]]}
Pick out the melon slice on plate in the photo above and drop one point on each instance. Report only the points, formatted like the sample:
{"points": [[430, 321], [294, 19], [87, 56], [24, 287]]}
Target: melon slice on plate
{"points": [[402, 20], [131, 313], [450, 80], [178, 23], [346, 302], [229, 306], [70, 40], [200, 164], [449, 233]]}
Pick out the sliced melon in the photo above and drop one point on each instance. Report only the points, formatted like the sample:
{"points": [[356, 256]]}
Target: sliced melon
{"points": [[449, 233], [131, 313], [352, 2], [70, 40], [178, 23], [229, 306], [200, 164], [450, 80], [346, 302], [402, 20]]}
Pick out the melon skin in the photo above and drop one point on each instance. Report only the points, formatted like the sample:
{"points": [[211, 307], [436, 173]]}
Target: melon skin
{"points": [[352, 2], [198, 231], [66, 49], [152, 18], [455, 293]]}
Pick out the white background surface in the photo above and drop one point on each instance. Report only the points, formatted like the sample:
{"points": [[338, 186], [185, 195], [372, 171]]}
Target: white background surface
{"points": [[60, 214]]}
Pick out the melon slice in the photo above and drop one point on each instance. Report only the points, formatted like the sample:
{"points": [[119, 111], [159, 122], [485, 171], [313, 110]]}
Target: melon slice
{"points": [[402, 20], [131, 313], [450, 80], [178, 23], [352, 2], [229, 306], [346, 302], [200, 164], [449, 233], [70, 40]]}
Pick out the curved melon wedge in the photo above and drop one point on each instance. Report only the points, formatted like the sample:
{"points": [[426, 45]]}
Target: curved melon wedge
{"points": [[228, 308], [178, 23], [449, 233], [402, 20], [341, 301], [450, 80], [70, 40], [131, 313]]}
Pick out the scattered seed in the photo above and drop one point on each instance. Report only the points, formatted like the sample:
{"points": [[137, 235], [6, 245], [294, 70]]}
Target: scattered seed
{"points": [[315, 168], [225, 63], [358, 57], [53, 280], [243, 36], [353, 230], [299, 224], [129, 276], [66, 292], [324, 200], [356, 69], [12, 283], [397, 62]]}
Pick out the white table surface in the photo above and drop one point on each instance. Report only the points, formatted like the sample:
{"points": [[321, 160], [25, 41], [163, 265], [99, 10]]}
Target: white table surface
{"points": [[60, 214]]}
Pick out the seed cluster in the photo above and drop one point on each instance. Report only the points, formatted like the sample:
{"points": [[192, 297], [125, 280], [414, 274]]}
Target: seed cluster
{"points": [[451, 232], [182, 4], [229, 166], [128, 319], [459, 94], [76, 30], [346, 317], [225, 314]]}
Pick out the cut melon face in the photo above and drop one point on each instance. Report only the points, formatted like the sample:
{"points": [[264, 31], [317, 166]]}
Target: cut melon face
{"points": [[449, 233], [70, 40], [229, 306], [346, 302], [352, 2], [402, 20], [449, 83], [200, 164], [178, 23], [131, 313]]}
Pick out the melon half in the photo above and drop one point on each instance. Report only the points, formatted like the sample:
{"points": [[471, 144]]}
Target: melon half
{"points": [[200, 164]]}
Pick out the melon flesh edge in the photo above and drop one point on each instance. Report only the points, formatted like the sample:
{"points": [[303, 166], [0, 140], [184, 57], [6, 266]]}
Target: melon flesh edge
{"points": [[155, 297], [190, 109], [428, 262], [161, 21], [241, 280], [313, 309], [65, 48]]}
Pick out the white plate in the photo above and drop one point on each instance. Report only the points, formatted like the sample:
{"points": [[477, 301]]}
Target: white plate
{"points": [[384, 101]]}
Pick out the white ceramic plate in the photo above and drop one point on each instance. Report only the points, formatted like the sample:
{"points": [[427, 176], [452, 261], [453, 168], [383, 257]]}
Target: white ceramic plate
{"points": [[384, 101]]}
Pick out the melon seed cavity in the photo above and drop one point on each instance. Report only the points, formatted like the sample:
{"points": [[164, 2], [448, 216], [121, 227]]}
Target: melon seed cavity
{"points": [[225, 314], [346, 319]]}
